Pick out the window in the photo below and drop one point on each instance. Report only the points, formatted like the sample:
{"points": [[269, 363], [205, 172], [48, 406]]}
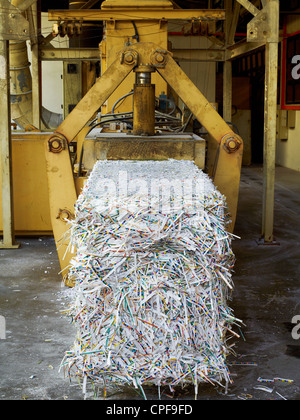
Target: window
{"points": [[290, 83]]}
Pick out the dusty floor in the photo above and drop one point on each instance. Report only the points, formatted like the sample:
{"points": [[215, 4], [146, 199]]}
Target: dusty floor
{"points": [[266, 298]]}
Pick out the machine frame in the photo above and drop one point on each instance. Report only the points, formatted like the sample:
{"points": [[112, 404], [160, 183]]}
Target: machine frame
{"points": [[62, 189]]}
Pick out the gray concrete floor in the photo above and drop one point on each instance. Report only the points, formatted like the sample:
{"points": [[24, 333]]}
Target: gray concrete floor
{"points": [[266, 298]]}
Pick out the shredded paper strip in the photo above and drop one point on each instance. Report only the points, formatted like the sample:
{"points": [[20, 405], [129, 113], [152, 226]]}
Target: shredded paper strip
{"points": [[152, 274]]}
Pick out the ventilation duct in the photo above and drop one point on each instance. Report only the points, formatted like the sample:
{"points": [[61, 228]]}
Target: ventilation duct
{"points": [[21, 87]]}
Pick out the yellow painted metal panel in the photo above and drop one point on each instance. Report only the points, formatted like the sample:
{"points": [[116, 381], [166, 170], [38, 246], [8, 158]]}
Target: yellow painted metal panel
{"points": [[137, 4], [30, 188], [62, 196], [137, 14]]}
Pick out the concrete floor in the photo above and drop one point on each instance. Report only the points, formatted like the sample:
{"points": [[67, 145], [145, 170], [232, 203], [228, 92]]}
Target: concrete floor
{"points": [[266, 298]]}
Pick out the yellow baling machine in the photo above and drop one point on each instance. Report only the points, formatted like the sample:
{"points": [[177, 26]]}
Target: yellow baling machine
{"points": [[136, 64]]}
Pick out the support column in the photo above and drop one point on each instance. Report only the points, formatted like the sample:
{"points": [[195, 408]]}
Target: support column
{"points": [[264, 28], [5, 138], [270, 14], [271, 81], [227, 69], [227, 91], [36, 69]]}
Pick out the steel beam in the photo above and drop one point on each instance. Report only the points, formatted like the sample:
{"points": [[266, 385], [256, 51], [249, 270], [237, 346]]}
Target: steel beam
{"points": [[26, 4], [227, 69], [13, 25], [6, 165], [198, 55], [271, 83], [89, 4], [35, 69], [243, 47], [135, 14], [249, 6], [69, 54]]}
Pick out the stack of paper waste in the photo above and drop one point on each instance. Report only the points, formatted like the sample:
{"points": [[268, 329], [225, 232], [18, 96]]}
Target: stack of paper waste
{"points": [[152, 274]]}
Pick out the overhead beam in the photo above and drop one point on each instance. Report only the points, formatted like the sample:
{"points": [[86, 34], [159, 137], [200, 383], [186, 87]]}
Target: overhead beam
{"points": [[242, 48], [198, 55], [69, 54], [92, 54], [26, 4], [249, 6], [89, 4], [234, 23], [136, 14]]}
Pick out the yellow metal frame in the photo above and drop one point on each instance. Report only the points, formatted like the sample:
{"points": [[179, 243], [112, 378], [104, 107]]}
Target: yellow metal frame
{"points": [[62, 189], [30, 186], [124, 13]]}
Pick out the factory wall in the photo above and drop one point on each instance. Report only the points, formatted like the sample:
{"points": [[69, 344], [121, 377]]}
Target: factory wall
{"points": [[288, 145], [202, 74]]}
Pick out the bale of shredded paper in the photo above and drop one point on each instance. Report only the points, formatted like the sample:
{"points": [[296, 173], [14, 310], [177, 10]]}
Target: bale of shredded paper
{"points": [[152, 274]]}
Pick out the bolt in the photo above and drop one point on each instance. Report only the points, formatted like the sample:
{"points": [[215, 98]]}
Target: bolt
{"points": [[64, 214], [129, 58], [231, 144], [159, 58], [55, 144]]}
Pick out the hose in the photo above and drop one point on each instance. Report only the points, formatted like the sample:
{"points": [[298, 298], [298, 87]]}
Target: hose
{"points": [[120, 99]]}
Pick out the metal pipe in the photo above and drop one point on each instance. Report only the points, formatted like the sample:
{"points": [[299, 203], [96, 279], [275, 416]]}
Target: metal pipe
{"points": [[143, 102], [21, 87], [144, 110], [143, 78], [20, 84]]}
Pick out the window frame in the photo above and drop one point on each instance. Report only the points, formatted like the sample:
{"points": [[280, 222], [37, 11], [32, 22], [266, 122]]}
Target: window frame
{"points": [[284, 69]]}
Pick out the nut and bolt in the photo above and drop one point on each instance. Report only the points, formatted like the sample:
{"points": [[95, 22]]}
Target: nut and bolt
{"points": [[160, 58], [232, 143], [64, 215], [57, 144], [128, 58]]}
